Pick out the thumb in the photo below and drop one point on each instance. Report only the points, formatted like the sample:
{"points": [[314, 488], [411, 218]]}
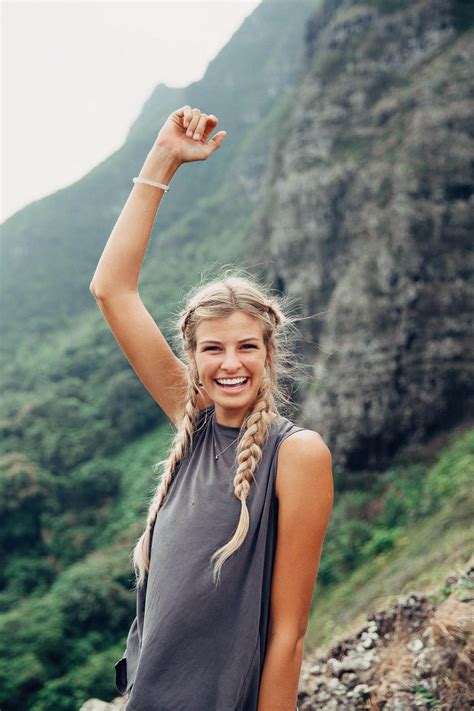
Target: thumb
{"points": [[216, 141]]}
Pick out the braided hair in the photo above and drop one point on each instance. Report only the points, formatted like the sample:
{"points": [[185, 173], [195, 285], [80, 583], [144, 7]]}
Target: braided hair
{"points": [[218, 299]]}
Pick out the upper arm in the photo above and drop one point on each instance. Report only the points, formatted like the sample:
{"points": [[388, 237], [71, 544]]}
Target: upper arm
{"points": [[304, 488], [160, 370]]}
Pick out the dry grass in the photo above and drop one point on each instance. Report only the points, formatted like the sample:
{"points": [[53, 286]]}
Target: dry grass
{"points": [[448, 660], [451, 630], [393, 671]]}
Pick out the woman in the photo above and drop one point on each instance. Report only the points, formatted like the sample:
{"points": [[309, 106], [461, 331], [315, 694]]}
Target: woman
{"points": [[228, 560]]}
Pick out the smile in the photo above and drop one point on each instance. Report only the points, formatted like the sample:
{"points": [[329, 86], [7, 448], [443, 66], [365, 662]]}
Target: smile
{"points": [[232, 384]]}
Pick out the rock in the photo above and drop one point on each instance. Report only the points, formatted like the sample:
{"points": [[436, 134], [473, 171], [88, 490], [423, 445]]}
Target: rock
{"points": [[355, 663], [117, 704], [409, 664], [415, 645], [349, 679], [361, 690], [367, 217], [334, 666]]}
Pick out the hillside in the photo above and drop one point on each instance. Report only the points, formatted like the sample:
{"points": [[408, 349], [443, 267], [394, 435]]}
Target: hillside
{"points": [[50, 248], [367, 218], [415, 654], [76, 628], [347, 183]]}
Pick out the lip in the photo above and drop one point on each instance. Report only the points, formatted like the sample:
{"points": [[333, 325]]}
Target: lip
{"points": [[236, 389]]}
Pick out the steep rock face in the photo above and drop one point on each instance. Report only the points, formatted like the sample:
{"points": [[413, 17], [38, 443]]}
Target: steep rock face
{"points": [[367, 219]]}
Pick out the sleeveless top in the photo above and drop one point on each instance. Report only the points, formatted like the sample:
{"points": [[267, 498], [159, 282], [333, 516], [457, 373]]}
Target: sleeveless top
{"points": [[193, 646]]}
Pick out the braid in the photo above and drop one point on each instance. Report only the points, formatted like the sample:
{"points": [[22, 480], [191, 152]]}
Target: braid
{"points": [[249, 454], [219, 299], [179, 449]]}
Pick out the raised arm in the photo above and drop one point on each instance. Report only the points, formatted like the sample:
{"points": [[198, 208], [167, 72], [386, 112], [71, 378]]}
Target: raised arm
{"points": [[115, 281]]}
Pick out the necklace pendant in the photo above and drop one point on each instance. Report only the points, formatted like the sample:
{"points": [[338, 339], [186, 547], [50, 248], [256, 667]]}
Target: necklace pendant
{"points": [[216, 457]]}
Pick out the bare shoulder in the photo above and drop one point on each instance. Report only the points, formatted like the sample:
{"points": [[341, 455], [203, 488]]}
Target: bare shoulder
{"points": [[308, 441], [304, 458]]}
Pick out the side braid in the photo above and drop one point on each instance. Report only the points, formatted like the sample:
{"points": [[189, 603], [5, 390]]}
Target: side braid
{"points": [[179, 449], [249, 454]]}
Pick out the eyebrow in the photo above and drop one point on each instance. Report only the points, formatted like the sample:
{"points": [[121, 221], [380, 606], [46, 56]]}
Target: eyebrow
{"points": [[243, 340]]}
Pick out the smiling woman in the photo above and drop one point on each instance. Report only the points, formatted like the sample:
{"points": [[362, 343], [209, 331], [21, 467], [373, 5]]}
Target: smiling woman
{"points": [[231, 368], [227, 563]]}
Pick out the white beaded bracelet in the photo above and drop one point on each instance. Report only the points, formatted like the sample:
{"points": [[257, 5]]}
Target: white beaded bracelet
{"points": [[152, 182]]}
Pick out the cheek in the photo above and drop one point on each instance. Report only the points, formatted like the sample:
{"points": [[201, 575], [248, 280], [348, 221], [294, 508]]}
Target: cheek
{"points": [[258, 367], [206, 366]]}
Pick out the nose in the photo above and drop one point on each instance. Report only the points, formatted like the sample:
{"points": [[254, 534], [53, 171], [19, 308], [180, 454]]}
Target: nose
{"points": [[231, 362]]}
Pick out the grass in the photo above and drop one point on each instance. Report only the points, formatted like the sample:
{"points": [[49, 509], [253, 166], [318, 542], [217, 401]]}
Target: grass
{"points": [[424, 556]]}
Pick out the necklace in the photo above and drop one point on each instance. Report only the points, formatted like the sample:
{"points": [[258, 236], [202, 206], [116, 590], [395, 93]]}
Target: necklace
{"points": [[218, 454]]}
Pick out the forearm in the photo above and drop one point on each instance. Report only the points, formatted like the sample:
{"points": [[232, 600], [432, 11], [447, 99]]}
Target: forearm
{"points": [[119, 266], [280, 675]]}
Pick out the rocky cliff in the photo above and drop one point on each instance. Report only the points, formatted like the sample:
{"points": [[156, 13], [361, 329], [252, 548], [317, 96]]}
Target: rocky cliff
{"points": [[367, 218]]}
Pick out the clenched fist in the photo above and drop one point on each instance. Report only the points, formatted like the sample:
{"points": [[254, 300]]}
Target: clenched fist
{"points": [[186, 132]]}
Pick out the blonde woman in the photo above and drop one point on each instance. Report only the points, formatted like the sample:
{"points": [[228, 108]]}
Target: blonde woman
{"points": [[228, 559]]}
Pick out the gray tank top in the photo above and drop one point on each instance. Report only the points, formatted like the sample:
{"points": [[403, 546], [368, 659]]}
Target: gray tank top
{"points": [[193, 646]]}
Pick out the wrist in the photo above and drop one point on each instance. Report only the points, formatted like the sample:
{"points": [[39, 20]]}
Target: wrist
{"points": [[160, 165]]}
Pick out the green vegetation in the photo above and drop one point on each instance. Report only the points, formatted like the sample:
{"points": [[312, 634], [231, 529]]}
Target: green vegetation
{"points": [[427, 696], [367, 524], [59, 643], [412, 530]]}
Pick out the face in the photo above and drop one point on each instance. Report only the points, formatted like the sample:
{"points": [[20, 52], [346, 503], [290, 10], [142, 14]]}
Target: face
{"points": [[230, 358]]}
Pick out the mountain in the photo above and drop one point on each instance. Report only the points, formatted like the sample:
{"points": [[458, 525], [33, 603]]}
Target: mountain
{"points": [[367, 218], [345, 182], [50, 248]]}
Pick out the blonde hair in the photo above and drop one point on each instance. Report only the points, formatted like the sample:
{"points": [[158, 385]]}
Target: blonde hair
{"points": [[218, 299]]}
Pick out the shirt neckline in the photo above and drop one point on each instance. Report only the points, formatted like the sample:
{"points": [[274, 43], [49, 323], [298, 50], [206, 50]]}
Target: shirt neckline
{"points": [[223, 428]]}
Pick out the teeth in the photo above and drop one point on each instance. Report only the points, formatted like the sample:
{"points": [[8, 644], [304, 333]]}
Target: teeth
{"points": [[231, 381]]}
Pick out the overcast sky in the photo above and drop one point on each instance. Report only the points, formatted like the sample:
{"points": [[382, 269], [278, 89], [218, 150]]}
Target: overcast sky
{"points": [[75, 75]]}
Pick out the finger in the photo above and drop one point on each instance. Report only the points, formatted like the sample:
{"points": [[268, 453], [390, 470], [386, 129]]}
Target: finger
{"points": [[185, 114], [196, 114], [211, 123], [200, 127]]}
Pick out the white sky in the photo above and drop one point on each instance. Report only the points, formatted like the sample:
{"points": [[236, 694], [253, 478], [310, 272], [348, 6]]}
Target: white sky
{"points": [[75, 75]]}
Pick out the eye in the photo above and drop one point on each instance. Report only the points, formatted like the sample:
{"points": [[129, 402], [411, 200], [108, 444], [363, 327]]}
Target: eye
{"points": [[245, 345]]}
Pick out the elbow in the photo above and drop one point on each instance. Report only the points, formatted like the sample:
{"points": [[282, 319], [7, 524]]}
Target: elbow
{"points": [[93, 290], [291, 638], [101, 294]]}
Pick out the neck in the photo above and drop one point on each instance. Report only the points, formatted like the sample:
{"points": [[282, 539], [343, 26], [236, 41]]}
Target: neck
{"points": [[231, 418]]}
